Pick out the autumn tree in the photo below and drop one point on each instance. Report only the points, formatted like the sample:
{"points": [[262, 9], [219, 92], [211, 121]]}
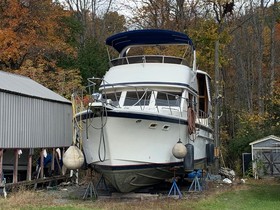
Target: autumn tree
{"points": [[97, 18], [253, 60], [165, 14], [98, 21], [33, 36], [250, 110], [273, 18]]}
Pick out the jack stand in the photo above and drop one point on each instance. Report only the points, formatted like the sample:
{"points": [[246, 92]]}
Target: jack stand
{"points": [[90, 191], [102, 184], [208, 176], [196, 185], [204, 181], [175, 189]]}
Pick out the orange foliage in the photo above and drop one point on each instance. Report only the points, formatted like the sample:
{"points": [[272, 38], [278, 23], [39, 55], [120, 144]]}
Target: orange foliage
{"points": [[64, 82], [31, 30], [32, 36]]}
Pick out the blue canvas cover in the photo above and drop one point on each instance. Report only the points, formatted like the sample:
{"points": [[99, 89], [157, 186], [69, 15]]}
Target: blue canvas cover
{"points": [[122, 40]]}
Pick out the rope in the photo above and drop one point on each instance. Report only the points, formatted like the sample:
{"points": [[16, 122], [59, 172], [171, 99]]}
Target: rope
{"points": [[77, 106], [102, 138]]}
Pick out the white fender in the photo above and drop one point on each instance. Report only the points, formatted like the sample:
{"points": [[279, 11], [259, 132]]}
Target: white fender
{"points": [[73, 158]]}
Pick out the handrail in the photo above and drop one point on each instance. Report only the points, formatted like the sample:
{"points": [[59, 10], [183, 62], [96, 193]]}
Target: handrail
{"points": [[148, 59], [202, 116], [167, 105]]}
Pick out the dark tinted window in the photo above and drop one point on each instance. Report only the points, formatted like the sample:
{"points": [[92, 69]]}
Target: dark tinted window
{"points": [[140, 98], [115, 97], [168, 99]]}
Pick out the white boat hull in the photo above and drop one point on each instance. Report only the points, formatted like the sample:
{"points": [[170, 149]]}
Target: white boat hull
{"points": [[134, 150]]}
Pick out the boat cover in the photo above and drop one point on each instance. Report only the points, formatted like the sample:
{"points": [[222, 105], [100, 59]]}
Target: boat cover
{"points": [[123, 40]]}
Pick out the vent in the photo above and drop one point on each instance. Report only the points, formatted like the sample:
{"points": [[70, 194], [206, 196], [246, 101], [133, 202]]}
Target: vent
{"points": [[165, 127], [153, 125]]}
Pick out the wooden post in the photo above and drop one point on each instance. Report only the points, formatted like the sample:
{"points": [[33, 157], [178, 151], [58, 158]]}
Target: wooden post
{"points": [[42, 163], [29, 165], [53, 158], [15, 172], [58, 165], [1, 165], [216, 106], [63, 169], [63, 151]]}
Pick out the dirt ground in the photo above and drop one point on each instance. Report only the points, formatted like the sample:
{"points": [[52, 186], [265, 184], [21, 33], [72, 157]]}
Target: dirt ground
{"points": [[66, 191], [78, 196]]}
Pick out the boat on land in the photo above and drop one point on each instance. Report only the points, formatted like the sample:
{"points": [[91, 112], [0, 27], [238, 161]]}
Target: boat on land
{"points": [[150, 99]]}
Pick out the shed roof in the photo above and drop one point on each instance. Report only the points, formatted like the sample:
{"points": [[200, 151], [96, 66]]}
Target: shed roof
{"points": [[21, 85], [271, 137]]}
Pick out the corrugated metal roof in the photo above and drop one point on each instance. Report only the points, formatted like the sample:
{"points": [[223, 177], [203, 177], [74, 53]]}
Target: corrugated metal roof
{"points": [[25, 86]]}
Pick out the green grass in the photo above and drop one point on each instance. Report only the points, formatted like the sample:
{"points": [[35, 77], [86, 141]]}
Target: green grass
{"points": [[256, 196], [252, 195]]}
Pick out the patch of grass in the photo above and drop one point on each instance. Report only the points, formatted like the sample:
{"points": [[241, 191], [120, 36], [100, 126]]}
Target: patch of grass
{"points": [[256, 196], [260, 194]]}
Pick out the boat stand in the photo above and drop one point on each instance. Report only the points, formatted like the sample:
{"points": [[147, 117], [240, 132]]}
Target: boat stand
{"points": [[101, 185], [90, 191], [204, 181], [175, 189], [195, 186]]}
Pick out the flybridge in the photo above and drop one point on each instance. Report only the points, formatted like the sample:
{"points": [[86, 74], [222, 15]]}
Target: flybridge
{"points": [[125, 42], [121, 41]]}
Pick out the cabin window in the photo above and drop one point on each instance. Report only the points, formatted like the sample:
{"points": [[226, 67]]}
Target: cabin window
{"points": [[114, 97], [139, 98], [203, 95], [168, 99], [190, 100]]}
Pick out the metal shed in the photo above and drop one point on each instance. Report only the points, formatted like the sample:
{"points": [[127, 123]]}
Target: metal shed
{"points": [[32, 116], [266, 156]]}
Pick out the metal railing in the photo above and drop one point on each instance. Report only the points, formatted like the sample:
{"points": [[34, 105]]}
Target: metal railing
{"points": [[148, 59], [143, 100]]}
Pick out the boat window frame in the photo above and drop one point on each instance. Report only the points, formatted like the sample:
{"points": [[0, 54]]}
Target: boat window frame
{"points": [[172, 93], [137, 104], [117, 94]]}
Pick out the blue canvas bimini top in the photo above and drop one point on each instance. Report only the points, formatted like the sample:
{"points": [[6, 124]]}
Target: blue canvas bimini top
{"points": [[122, 40]]}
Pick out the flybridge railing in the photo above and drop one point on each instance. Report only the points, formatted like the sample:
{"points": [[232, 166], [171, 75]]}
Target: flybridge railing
{"points": [[148, 59], [204, 118]]}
